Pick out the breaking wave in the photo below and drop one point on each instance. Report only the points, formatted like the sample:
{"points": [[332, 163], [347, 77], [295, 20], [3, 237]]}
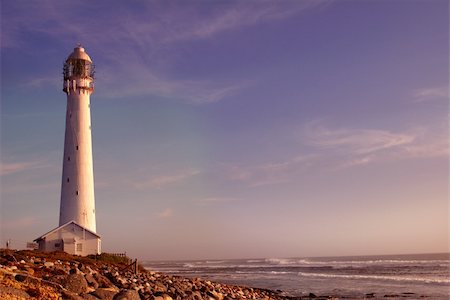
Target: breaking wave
{"points": [[375, 277]]}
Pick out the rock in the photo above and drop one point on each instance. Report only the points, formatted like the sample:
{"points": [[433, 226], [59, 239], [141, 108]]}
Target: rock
{"points": [[104, 293], [102, 281], [67, 295], [88, 297], [7, 292], [59, 271], [75, 283], [312, 295], [30, 271], [91, 281], [49, 264], [127, 295], [20, 277], [9, 257], [215, 295], [166, 297]]}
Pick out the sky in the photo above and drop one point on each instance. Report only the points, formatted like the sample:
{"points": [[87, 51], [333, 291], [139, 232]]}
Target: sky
{"points": [[235, 129]]}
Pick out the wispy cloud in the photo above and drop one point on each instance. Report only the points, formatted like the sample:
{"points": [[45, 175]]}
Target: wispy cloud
{"points": [[165, 214], [214, 200], [141, 45], [433, 93], [146, 82], [20, 223], [44, 81], [269, 173], [9, 168], [360, 147], [354, 141], [159, 182], [429, 143], [241, 14]]}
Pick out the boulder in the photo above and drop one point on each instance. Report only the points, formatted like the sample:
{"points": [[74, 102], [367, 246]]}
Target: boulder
{"points": [[127, 295], [88, 297], [49, 264], [91, 281], [7, 292], [75, 283], [102, 281], [67, 295], [20, 277], [104, 293]]}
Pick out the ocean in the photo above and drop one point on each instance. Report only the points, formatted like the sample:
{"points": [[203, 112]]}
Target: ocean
{"points": [[402, 276]]}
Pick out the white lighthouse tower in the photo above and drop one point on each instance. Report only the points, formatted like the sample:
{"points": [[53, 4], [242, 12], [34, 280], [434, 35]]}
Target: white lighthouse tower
{"points": [[77, 186], [77, 206]]}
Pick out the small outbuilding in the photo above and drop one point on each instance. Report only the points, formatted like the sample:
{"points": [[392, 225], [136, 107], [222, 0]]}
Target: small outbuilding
{"points": [[71, 238]]}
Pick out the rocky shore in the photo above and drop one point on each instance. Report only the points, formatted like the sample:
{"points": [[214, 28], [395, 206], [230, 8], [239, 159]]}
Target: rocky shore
{"points": [[34, 275]]}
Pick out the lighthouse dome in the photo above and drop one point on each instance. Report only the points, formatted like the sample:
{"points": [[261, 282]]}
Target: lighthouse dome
{"points": [[79, 53]]}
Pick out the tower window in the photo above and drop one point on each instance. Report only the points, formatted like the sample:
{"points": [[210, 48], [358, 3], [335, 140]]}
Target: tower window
{"points": [[76, 192], [68, 158], [67, 179], [77, 147]]}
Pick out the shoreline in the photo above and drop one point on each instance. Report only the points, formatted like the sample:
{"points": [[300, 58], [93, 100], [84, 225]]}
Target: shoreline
{"points": [[57, 275]]}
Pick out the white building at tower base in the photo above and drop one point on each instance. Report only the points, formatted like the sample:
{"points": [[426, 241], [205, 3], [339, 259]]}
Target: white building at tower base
{"points": [[71, 238]]}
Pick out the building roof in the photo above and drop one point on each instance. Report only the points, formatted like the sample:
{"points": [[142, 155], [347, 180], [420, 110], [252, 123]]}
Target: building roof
{"points": [[78, 53], [62, 226]]}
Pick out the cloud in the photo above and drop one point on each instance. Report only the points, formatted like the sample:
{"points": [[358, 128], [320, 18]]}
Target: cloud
{"points": [[361, 147], [166, 213], [239, 15], [9, 168], [269, 173], [162, 181], [354, 141], [20, 223], [146, 82], [214, 200], [427, 94], [51, 80], [140, 42], [429, 144]]}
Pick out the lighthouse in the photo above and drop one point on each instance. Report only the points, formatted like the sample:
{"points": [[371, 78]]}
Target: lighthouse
{"points": [[76, 233], [77, 185]]}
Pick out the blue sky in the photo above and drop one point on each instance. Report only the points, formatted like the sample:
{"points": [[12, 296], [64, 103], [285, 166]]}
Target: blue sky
{"points": [[229, 129]]}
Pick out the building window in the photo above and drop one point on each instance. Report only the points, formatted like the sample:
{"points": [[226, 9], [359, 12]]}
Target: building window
{"points": [[79, 247], [57, 245]]}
